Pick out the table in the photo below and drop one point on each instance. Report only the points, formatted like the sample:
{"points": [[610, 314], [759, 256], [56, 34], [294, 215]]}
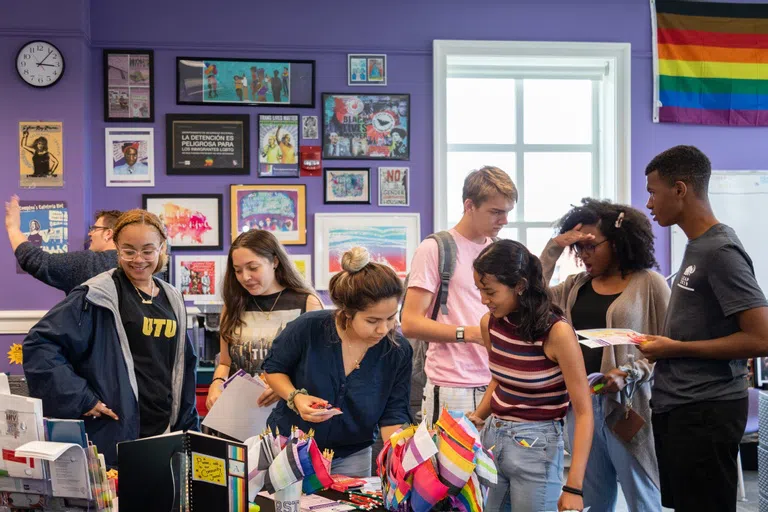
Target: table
{"points": [[268, 505]]}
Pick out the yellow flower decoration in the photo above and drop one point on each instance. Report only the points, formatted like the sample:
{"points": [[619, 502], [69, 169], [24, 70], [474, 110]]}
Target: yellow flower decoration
{"points": [[15, 354]]}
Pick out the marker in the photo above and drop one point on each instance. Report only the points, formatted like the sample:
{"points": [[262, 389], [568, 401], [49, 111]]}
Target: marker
{"points": [[598, 387]]}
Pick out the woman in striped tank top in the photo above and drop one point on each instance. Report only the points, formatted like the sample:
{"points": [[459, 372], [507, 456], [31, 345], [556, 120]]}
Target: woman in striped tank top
{"points": [[537, 369]]}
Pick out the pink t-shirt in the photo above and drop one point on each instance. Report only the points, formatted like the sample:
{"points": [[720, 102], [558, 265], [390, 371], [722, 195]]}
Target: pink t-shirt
{"points": [[453, 364]]}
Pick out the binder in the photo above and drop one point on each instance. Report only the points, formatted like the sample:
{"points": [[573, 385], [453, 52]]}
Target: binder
{"points": [[184, 472]]}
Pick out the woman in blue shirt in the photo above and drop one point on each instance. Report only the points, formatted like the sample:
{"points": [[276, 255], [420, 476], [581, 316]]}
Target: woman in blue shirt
{"points": [[350, 358]]}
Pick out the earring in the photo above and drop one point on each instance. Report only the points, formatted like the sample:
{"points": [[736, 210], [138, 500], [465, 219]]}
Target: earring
{"points": [[520, 293]]}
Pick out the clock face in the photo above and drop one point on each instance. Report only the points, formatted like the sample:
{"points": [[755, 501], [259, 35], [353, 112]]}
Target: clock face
{"points": [[40, 64]]}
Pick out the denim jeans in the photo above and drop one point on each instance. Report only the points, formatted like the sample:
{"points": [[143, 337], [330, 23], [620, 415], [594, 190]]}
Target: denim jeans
{"points": [[610, 464], [357, 464], [530, 478]]}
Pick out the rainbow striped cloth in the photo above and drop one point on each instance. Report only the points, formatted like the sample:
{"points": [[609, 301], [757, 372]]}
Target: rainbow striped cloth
{"points": [[710, 63]]}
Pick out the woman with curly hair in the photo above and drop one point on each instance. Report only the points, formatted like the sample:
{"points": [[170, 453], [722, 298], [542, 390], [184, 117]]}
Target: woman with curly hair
{"points": [[618, 289]]}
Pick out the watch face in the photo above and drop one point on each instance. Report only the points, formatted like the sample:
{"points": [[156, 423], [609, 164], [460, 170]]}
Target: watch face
{"points": [[40, 64]]}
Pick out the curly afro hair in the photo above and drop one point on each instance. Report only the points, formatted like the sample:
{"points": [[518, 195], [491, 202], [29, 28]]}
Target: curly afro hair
{"points": [[632, 240]]}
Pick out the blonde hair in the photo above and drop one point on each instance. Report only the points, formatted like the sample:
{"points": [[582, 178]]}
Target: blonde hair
{"points": [[143, 217], [362, 283], [482, 183]]}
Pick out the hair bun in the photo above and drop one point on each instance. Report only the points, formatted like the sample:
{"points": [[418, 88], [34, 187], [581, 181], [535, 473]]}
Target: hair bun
{"points": [[355, 259]]}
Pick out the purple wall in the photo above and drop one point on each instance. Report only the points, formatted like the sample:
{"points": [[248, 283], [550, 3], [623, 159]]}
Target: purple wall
{"points": [[303, 30]]}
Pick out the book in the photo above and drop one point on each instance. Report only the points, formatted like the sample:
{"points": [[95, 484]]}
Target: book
{"points": [[599, 338], [183, 471]]}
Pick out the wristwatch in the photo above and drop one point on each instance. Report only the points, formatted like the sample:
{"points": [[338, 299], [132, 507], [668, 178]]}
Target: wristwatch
{"points": [[460, 334]]}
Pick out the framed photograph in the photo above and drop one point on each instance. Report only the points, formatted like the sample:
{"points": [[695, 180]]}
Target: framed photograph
{"points": [[309, 127], [366, 126], [366, 69], [277, 83], [281, 209], [129, 86], [193, 221], [761, 371], [199, 278], [41, 154], [130, 157], [303, 264], [278, 146], [347, 186], [393, 186], [207, 144], [390, 239]]}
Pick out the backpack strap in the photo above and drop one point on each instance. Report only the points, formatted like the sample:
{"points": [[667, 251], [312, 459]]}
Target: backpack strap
{"points": [[446, 264]]}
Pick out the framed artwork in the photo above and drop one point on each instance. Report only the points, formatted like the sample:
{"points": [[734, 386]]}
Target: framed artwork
{"points": [[130, 157], [199, 278], [303, 264], [193, 221], [347, 186], [390, 239], [41, 154], [761, 371], [394, 186], [129, 86], [277, 83], [207, 144], [309, 127], [46, 226], [366, 126], [366, 69], [281, 209], [278, 146]]}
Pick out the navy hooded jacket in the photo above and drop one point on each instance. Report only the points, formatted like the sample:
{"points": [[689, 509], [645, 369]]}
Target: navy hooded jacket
{"points": [[78, 354]]}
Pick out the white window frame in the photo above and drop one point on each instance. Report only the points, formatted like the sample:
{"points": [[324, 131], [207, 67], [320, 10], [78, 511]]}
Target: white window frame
{"points": [[614, 132]]}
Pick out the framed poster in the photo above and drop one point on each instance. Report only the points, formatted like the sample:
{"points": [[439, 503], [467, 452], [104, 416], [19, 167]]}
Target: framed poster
{"points": [[366, 69], [309, 127], [130, 157], [278, 146], [394, 186], [366, 126], [390, 239], [277, 83], [199, 278], [193, 221], [347, 186], [129, 86], [207, 144], [46, 226], [303, 264], [41, 154], [281, 209], [761, 371]]}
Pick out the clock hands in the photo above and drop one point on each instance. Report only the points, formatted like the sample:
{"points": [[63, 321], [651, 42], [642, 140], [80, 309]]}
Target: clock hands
{"points": [[46, 58]]}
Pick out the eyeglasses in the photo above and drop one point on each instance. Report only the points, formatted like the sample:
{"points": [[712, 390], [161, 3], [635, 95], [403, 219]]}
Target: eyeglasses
{"points": [[95, 228], [588, 248], [146, 254]]}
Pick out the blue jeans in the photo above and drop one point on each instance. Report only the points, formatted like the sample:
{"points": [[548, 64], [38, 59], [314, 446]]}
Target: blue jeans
{"points": [[530, 478], [609, 464], [357, 464]]}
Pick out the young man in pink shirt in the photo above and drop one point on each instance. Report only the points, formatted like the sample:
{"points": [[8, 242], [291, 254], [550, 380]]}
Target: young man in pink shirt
{"points": [[457, 361]]}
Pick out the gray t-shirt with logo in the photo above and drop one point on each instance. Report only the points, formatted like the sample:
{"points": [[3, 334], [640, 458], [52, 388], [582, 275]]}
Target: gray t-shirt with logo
{"points": [[715, 282]]}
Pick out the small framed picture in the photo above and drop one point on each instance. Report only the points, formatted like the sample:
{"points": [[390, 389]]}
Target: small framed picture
{"points": [[199, 278], [129, 83], [193, 221], [130, 157], [761, 371], [348, 186], [366, 69], [394, 186], [309, 127], [303, 264]]}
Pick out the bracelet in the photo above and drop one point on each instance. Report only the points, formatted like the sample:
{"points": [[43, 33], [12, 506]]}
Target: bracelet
{"points": [[573, 490], [293, 394], [222, 379]]}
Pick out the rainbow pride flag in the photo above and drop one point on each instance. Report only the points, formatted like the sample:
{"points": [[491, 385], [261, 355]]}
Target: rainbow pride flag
{"points": [[710, 63]]}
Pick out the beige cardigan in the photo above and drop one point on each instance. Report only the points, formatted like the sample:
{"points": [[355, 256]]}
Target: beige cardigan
{"points": [[642, 307]]}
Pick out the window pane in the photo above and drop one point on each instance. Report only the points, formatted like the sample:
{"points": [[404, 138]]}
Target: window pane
{"points": [[566, 265], [510, 233], [480, 111], [557, 111], [460, 164], [554, 182]]}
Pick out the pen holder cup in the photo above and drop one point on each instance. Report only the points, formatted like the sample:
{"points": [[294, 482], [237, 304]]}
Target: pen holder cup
{"points": [[288, 499]]}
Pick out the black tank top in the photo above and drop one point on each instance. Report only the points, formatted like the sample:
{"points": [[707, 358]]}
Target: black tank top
{"points": [[41, 163]]}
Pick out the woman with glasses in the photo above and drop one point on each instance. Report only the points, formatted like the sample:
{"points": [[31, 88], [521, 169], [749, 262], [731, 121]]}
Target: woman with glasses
{"points": [[115, 351], [617, 289]]}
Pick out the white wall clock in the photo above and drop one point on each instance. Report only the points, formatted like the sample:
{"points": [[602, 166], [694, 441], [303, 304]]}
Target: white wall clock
{"points": [[40, 64]]}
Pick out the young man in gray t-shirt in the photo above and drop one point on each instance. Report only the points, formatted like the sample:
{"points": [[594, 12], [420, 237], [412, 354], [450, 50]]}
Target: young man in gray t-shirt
{"points": [[716, 319]]}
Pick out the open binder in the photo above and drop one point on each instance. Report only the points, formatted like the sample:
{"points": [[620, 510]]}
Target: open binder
{"points": [[183, 471]]}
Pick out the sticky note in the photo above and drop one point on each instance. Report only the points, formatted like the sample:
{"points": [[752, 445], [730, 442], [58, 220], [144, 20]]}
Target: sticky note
{"points": [[208, 469]]}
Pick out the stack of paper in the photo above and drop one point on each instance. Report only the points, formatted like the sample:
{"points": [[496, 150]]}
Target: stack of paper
{"points": [[599, 338], [236, 413]]}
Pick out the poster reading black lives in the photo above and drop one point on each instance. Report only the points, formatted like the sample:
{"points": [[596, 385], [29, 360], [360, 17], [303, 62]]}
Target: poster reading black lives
{"points": [[207, 144]]}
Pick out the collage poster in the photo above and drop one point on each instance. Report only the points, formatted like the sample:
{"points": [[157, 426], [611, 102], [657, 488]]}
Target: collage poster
{"points": [[128, 82], [41, 154], [46, 225], [278, 146]]}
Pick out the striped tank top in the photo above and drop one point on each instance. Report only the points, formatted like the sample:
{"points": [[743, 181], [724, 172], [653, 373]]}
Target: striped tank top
{"points": [[531, 387]]}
